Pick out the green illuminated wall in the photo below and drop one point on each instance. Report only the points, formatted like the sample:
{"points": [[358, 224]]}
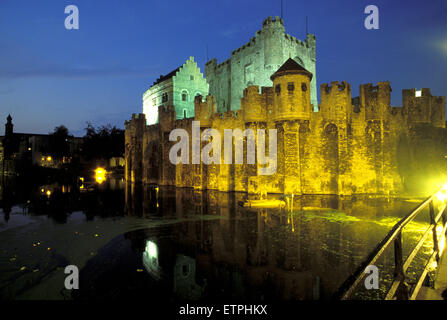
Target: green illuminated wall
{"points": [[256, 61], [188, 79], [183, 83]]}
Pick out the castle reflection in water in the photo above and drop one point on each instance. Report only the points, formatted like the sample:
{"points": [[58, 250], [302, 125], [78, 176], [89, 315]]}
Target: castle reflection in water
{"points": [[219, 249], [189, 244]]}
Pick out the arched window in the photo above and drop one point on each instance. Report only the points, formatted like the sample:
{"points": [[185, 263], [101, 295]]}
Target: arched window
{"points": [[164, 97], [184, 113], [184, 95]]}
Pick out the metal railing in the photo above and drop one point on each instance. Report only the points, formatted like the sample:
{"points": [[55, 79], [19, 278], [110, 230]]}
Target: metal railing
{"points": [[399, 289]]}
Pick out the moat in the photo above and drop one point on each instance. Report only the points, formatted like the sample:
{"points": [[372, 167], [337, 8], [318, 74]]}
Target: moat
{"points": [[171, 244]]}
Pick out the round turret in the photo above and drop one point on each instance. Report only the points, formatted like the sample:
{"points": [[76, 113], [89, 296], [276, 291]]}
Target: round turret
{"points": [[291, 92]]}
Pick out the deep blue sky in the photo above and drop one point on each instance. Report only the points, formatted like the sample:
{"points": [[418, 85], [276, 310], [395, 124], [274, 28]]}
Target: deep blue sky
{"points": [[51, 76]]}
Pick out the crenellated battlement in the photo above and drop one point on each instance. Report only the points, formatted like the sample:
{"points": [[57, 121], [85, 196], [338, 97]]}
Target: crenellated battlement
{"points": [[251, 90], [272, 21], [251, 43], [336, 100], [166, 117], [138, 116], [376, 100], [292, 38], [335, 88], [230, 114], [421, 107], [213, 64], [204, 110]]}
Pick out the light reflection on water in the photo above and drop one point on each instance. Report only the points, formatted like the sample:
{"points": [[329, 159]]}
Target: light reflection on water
{"points": [[186, 244]]}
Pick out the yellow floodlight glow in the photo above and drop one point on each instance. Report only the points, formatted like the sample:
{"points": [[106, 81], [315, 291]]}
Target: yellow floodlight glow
{"points": [[48, 193], [441, 238], [49, 158], [100, 175], [442, 194]]}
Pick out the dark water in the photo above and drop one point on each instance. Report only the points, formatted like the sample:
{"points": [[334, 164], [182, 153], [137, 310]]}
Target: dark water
{"points": [[176, 244]]}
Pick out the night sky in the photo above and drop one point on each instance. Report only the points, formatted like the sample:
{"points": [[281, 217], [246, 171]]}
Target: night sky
{"points": [[51, 76]]}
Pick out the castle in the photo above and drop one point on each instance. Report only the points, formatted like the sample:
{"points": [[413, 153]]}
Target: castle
{"points": [[344, 145], [254, 63], [349, 147]]}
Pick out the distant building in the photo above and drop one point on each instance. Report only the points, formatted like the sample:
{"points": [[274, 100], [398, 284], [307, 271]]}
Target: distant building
{"points": [[178, 88], [18, 150]]}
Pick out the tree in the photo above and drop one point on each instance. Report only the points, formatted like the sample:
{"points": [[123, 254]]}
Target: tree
{"points": [[60, 145], [103, 142]]}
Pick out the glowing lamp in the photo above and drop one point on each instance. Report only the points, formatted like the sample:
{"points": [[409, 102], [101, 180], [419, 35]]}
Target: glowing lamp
{"points": [[100, 175]]}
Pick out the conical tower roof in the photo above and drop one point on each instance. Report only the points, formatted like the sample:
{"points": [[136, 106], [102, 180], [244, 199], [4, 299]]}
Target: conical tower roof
{"points": [[291, 67]]}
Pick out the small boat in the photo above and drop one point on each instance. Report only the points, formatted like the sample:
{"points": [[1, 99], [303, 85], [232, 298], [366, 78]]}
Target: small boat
{"points": [[264, 203]]}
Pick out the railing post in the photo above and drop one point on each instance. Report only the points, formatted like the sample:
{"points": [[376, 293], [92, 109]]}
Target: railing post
{"points": [[399, 274], [435, 236]]}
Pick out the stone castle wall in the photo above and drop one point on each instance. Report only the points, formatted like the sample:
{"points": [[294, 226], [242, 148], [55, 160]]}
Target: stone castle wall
{"points": [[349, 147], [255, 61]]}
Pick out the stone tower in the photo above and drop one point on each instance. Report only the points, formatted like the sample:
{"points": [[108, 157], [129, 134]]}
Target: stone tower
{"points": [[9, 127], [254, 63], [291, 98], [8, 139]]}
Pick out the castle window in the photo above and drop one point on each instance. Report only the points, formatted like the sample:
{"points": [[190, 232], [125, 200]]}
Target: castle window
{"points": [[278, 89], [154, 101], [184, 96], [191, 77], [290, 87], [164, 97], [184, 113], [418, 93], [303, 86], [185, 270]]}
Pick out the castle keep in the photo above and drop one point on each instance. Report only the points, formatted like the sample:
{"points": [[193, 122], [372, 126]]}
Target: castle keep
{"points": [[351, 146], [254, 63]]}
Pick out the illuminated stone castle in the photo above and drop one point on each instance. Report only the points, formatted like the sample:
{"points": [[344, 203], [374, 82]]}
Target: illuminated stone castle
{"points": [[350, 146], [254, 63], [178, 88]]}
